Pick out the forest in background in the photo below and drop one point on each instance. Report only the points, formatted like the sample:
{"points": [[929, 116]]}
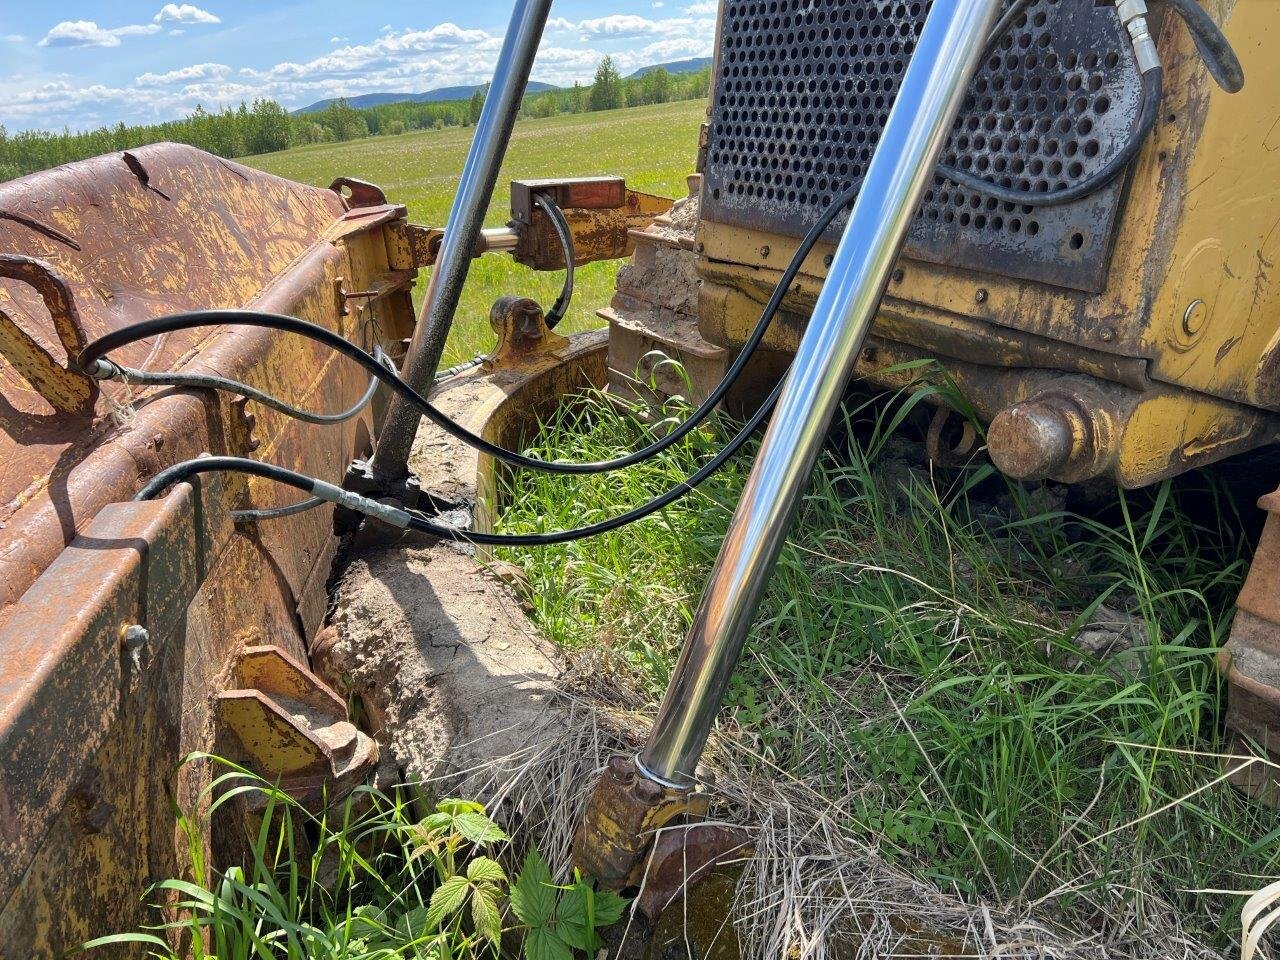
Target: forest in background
{"points": [[265, 126]]}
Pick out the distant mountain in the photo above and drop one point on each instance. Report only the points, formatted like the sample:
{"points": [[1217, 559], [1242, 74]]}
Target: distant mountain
{"points": [[464, 93], [692, 65], [431, 96]]}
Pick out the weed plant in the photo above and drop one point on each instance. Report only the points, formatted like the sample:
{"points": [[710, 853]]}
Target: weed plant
{"points": [[366, 880]]}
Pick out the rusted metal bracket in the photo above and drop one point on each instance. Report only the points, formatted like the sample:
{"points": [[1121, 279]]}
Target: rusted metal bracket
{"points": [[66, 389], [287, 726], [1251, 664], [601, 213], [358, 193], [523, 334], [626, 810]]}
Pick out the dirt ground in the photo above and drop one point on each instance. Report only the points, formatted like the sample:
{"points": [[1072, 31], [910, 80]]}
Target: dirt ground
{"points": [[440, 652]]}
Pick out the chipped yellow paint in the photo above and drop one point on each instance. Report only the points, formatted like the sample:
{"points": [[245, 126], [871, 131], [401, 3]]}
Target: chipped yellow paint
{"points": [[1228, 236]]}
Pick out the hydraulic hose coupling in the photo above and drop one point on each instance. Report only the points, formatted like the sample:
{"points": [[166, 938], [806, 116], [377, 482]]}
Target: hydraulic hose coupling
{"points": [[101, 369], [1133, 14]]}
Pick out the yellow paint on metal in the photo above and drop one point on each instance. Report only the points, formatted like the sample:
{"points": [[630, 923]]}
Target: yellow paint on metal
{"points": [[1191, 308], [1227, 238]]}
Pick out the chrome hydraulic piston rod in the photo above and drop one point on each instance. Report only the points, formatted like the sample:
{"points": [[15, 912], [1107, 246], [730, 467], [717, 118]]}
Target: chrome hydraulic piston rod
{"points": [[946, 56], [475, 190]]}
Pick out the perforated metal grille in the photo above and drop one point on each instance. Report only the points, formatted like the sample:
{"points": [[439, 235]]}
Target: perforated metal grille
{"points": [[805, 87]]}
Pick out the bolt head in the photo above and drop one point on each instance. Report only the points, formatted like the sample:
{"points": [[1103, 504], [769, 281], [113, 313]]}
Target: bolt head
{"points": [[621, 767], [134, 637], [1194, 316]]}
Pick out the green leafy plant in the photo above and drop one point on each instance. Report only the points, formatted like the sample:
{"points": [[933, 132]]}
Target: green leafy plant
{"points": [[372, 882], [561, 919]]}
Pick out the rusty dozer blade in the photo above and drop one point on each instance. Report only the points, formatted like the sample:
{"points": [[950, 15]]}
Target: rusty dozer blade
{"points": [[656, 788], [138, 633]]}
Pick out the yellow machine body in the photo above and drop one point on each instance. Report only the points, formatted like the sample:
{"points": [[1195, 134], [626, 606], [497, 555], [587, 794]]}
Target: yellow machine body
{"points": [[1173, 365]]}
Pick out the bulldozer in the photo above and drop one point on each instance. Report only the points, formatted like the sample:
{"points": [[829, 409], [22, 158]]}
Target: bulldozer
{"points": [[1069, 205]]}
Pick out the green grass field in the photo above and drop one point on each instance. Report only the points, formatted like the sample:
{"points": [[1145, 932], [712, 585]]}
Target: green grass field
{"points": [[653, 147]]}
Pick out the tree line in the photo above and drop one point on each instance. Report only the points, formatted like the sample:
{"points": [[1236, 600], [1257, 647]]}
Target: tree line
{"points": [[265, 126]]}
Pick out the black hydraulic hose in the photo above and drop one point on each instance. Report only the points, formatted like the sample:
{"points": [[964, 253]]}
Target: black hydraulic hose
{"points": [[409, 521], [92, 356], [561, 226], [202, 381], [1152, 92], [91, 362], [1214, 47], [276, 513]]}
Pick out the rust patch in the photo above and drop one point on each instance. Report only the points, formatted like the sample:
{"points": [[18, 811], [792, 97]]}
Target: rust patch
{"points": [[682, 856], [1251, 661]]}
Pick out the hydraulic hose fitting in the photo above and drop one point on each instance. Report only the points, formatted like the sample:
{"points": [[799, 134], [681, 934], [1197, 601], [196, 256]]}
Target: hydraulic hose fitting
{"points": [[1133, 15], [101, 369]]}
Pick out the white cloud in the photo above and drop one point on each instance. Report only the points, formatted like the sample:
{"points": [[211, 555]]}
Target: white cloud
{"points": [[86, 33], [704, 8], [58, 94], [176, 32], [184, 13], [198, 71], [658, 4], [13, 38], [560, 23], [339, 39], [619, 25], [356, 60], [79, 33]]}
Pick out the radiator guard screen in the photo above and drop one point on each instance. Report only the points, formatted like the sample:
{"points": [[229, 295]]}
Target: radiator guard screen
{"points": [[804, 89]]}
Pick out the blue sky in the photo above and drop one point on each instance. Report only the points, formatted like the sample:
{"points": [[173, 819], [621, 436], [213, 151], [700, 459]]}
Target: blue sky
{"points": [[82, 64]]}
